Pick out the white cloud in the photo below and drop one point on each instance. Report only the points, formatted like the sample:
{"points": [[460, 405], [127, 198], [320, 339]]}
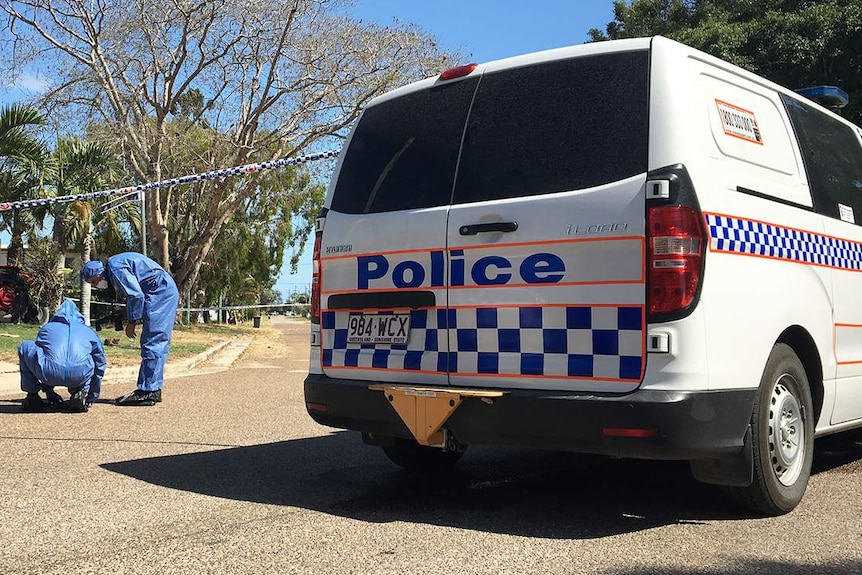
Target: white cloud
{"points": [[32, 82], [29, 83]]}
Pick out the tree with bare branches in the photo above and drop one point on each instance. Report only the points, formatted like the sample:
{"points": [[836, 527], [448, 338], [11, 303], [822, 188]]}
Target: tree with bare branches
{"points": [[268, 79]]}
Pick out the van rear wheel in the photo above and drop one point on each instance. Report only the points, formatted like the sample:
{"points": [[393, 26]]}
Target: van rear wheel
{"points": [[782, 427], [408, 454]]}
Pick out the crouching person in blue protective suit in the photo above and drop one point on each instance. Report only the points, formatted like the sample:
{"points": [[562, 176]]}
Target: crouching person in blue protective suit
{"points": [[67, 353], [151, 299]]}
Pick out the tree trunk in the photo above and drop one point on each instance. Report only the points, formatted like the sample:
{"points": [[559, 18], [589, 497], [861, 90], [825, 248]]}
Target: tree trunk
{"points": [[58, 236], [15, 253], [86, 289], [185, 300]]}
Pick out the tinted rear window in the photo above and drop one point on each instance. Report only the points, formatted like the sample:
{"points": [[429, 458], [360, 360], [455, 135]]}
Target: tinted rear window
{"points": [[832, 158], [545, 128], [563, 125], [404, 151]]}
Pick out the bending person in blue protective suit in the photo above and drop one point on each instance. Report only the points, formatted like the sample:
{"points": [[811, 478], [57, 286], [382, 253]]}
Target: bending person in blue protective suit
{"points": [[151, 299], [66, 353]]}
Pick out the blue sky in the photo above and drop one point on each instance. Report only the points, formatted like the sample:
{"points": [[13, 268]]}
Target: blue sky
{"points": [[482, 30]]}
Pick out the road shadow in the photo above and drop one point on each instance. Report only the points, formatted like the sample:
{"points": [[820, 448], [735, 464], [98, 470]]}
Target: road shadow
{"points": [[748, 566], [837, 450], [510, 491], [13, 407]]}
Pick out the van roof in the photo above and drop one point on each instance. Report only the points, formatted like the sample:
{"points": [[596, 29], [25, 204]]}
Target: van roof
{"points": [[610, 46], [527, 59]]}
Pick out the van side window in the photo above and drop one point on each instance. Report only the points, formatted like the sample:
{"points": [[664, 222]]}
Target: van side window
{"points": [[557, 126], [832, 157], [403, 152]]}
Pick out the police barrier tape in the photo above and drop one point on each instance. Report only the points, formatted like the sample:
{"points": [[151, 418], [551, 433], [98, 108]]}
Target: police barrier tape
{"points": [[240, 307], [296, 309], [223, 173], [212, 308]]}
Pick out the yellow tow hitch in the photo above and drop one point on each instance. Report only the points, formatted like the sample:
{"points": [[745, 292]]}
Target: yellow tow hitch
{"points": [[424, 410]]}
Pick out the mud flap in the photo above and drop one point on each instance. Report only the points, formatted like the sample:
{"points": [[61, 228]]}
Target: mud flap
{"points": [[734, 471], [425, 410]]}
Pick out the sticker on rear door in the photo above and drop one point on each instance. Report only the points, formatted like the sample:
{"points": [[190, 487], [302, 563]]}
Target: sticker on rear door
{"points": [[739, 122]]}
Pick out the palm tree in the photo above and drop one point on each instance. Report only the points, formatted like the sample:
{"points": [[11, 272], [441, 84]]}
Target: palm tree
{"points": [[24, 165], [84, 167], [81, 167], [16, 142]]}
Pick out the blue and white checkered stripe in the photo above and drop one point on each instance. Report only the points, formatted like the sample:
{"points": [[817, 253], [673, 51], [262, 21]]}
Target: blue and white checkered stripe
{"points": [[582, 342], [738, 235]]}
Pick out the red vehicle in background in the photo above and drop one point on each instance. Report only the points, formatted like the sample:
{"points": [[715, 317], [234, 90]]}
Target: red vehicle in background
{"points": [[15, 295]]}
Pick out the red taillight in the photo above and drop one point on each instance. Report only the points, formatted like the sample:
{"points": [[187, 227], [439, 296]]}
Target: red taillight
{"points": [[316, 407], [676, 242], [315, 274], [458, 72]]}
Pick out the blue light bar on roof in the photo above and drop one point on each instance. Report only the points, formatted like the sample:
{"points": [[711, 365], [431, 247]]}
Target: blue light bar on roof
{"points": [[826, 96]]}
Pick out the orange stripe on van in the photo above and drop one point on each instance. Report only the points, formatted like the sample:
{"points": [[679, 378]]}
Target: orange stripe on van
{"points": [[487, 246]]}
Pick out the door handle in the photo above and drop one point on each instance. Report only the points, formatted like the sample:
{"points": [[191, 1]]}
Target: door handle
{"points": [[472, 230]]}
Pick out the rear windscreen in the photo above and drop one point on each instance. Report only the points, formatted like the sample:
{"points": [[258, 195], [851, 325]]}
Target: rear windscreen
{"points": [[563, 125], [544, 128], [404, 151]]}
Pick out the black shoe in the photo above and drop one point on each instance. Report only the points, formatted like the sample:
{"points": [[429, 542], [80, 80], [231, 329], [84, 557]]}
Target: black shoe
{"points": [[77, 402], [140, 397], [53, 397], [33, 403]]}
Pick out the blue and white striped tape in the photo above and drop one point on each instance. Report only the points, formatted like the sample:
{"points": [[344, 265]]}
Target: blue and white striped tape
{"points": [[223, 173]]}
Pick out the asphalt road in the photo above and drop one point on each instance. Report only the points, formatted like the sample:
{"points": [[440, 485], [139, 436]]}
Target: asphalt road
{"points": [[230, 475]]}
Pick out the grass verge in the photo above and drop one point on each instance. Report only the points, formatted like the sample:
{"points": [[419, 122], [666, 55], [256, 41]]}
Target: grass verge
{"points": [[187, 341]]}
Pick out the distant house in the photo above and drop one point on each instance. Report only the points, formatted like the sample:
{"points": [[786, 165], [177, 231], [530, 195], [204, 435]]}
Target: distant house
{"points": [[73, 259]]}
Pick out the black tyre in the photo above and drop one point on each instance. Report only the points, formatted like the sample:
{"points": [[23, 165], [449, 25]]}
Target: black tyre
{"points": [[410, 455], [782, 424]]}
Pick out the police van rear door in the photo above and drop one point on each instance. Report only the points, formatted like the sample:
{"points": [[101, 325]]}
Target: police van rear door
{"points": [[546, 231], [383, 261]]}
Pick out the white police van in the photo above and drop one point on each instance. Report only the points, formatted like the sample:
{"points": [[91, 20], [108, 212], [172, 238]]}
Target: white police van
{"points": [[626, 248]]}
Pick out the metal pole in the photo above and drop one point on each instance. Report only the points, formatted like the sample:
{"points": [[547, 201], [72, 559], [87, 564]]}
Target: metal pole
{"points": [[143, 222]]}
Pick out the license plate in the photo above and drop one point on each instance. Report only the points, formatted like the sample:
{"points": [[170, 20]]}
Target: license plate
{"points": [[373, 328]]}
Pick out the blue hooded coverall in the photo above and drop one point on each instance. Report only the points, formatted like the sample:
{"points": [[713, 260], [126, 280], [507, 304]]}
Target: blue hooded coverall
{"points": [[67, 352], [152, 297]]}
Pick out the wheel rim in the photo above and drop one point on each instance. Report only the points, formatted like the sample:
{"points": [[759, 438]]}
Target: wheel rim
{"points": [[786, 431]]}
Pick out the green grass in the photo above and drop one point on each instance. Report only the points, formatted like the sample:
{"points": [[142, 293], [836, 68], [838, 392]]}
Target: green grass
{"points": [[128, 352], [186, 342], [215, 328], [11, 336]]}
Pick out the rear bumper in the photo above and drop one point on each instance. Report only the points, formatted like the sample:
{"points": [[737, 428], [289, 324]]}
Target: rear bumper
{"points": [[687, 425]]}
